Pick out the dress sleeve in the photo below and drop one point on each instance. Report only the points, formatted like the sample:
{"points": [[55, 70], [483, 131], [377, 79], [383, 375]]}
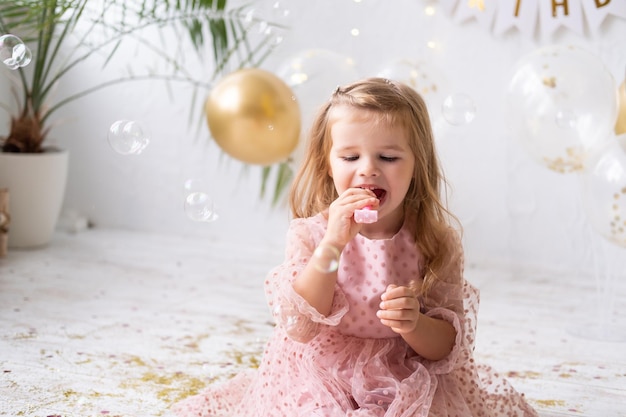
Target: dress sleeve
{"points": [[455, 300], [290, 311]]}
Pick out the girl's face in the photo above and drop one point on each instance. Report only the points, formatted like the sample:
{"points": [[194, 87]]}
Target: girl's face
{"points": [[376, 156]]}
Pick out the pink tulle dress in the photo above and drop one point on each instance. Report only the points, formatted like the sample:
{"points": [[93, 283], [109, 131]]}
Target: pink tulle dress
{"points": [[348, 363]]}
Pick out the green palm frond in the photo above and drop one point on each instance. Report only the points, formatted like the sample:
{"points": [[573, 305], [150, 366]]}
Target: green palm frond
{"points": [[65, 33]]}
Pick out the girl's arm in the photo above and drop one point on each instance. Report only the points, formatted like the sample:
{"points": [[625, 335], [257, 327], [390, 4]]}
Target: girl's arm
{"points": [[316, 283], [429, 337]]}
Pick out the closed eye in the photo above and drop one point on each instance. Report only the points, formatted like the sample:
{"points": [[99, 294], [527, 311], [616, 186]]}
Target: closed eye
{"points": [[389, 158], [350, 158]]}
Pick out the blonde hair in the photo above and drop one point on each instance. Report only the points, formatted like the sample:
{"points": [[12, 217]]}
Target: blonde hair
{"points": [[388, 102]]}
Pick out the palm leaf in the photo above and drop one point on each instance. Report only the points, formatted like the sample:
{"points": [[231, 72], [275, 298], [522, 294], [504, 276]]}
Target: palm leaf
{"points": [[61, 34]]}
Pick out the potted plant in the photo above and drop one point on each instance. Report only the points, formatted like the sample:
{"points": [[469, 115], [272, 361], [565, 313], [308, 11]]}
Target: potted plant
{"points": [[62, 34]]}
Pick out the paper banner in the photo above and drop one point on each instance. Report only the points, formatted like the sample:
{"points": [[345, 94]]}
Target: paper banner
{"points": [[596, 11], [556, 13], [532, 16], [481, 10], [515, 14]]}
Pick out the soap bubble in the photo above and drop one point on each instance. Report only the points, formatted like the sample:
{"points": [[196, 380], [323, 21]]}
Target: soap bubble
{"points": [[198, 204], [13, 52], [326, 258], [458, 109], [128, 137]]}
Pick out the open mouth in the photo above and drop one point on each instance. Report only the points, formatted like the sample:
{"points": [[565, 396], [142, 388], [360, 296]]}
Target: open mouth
{"points": [[378, 192]]}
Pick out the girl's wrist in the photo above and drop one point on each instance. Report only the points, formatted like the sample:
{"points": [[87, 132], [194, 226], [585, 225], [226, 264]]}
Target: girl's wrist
{"points": [[329, 242]]}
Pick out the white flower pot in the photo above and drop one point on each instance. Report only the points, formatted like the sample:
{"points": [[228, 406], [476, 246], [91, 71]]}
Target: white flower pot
{"points": [[36, 184]]}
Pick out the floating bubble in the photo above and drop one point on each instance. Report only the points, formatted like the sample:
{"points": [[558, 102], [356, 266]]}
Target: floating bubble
{"points": [[13, 52], [198, 205], [458, 109], [326, 258], [128, 137]]}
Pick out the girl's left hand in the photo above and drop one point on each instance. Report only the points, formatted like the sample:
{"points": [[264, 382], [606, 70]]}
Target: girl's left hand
{"points": [[399, 309]]}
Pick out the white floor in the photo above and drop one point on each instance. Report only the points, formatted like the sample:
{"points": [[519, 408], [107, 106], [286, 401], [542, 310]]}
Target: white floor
{"points": [[116, 323]]}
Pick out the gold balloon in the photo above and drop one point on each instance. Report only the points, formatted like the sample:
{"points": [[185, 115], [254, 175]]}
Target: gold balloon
{"points": [[620, 124], [254, 116]]}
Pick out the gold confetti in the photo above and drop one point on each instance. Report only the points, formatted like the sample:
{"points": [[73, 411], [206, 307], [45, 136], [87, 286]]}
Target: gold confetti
{"points": [[549, 82], [478, 4], [573, 163], [551, 403]]}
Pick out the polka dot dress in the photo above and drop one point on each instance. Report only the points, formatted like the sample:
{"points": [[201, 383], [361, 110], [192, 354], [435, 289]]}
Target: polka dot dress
{"points": [[348, 363]]}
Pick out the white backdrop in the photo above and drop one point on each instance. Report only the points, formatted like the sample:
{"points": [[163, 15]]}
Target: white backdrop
{"points": [[513, 209]]}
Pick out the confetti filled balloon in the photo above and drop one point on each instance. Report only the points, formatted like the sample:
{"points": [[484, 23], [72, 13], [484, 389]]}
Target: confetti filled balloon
{"points": [[254, 117], [313, 75], [620, 124], [604, 191], [562, 105], [428, 80]]}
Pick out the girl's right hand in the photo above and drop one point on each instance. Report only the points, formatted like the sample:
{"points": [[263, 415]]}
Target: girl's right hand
{"points": [[341, 225]]}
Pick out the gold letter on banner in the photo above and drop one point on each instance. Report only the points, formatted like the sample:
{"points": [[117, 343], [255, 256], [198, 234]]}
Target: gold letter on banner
{"points": [[517, 4], [600, 3], [563, 3]]}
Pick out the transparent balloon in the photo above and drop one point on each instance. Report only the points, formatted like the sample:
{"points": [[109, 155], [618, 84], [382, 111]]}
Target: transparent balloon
{"points": [[554, 109], [13, 52], [269, 22], [458, 109], [566, 119], [604, 190], [128, 137], [198, 204], [313, 75], [428, 80]]}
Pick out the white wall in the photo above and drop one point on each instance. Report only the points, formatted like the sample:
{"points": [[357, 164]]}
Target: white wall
{"points": [[513, 209]]}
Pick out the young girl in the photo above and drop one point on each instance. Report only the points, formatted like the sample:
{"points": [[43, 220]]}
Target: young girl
{"points": [[373, 319]]}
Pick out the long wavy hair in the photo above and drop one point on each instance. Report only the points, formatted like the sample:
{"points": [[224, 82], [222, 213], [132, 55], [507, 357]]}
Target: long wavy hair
{"points": [[391, 103]]}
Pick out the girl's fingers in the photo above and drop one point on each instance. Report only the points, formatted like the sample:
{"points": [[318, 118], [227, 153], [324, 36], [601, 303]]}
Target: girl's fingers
{"points": [[404, 303], [398, 315], [396, 320], [394, 292], [399, 309]]}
